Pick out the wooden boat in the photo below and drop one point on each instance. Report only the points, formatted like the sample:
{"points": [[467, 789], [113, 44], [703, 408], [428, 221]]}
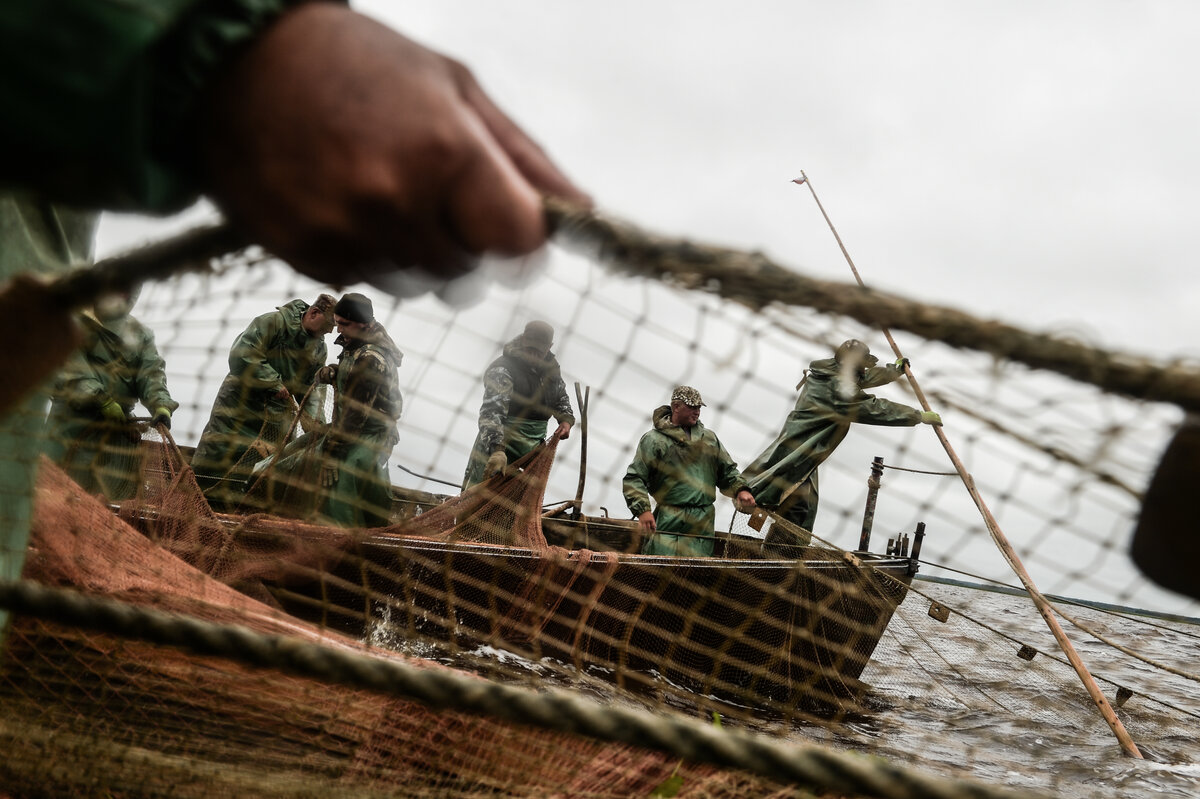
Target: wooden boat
{"points": [[764, 624]]}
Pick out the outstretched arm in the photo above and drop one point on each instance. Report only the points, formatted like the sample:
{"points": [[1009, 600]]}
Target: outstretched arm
{"points": [[349, 149]]}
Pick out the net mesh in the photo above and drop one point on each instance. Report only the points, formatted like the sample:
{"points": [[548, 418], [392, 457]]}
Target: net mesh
{"points": [[534, 579]]}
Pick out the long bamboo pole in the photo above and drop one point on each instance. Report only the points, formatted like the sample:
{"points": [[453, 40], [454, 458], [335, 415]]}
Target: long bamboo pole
{"points": [[993, 527]]}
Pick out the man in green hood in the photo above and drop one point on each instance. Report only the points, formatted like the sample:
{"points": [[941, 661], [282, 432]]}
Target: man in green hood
{"points": [[784, 477], [272, 366], [681, 463], [90, 427], [522, 389]]}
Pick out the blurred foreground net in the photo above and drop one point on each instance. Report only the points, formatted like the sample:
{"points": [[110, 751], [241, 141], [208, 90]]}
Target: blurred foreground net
{"points": [[787, 639]]}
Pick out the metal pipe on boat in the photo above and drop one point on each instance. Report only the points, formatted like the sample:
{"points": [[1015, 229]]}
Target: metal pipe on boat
{"points": [[582, 400], [918, 539], [873, 483]]}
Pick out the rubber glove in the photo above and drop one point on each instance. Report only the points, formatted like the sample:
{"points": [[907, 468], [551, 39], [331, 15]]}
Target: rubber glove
{"points": [[112, 411], [162, 416], [929, 417]]}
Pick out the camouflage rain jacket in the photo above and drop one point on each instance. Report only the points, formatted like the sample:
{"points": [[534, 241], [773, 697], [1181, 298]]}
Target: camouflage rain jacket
{"points": [[829, 402], [274, 352], [682, 470], [118, 361], [520, 395]]}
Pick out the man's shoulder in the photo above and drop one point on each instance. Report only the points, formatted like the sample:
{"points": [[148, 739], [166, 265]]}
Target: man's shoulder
{"points": [[372, 357]]}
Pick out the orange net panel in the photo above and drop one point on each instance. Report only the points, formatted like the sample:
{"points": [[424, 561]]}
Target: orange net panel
{"points": [[88, 714]]}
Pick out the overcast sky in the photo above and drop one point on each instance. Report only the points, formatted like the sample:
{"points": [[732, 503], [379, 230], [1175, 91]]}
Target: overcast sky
{"points": [[1026, 161], [1035, 162]]}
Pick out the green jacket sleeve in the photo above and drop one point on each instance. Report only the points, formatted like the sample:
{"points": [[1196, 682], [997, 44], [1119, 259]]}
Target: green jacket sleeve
{"points": [[636, 485], [152, 376], [100, 96], [248, 355], [79, 385], [729, 477]]}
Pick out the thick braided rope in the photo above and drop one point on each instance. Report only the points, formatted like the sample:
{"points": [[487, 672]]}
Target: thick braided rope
{"points": [[756, 281], [790, 764], [749, 278]]}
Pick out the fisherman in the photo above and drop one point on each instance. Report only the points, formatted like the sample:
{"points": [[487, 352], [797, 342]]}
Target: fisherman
{"points": [[92, 434], [681, 463], [784, 477], [349, 484], [522, 389], [272, 366]]}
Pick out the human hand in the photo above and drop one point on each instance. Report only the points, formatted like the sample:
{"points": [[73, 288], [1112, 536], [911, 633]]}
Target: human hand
{"points": [[929, 417], [282, 393], [112, 411], [744, 501], [563, 431], [162, 416], [646, 522], [495, 463], [901, 363], [349, 150], [326, 374], [329, 475]]}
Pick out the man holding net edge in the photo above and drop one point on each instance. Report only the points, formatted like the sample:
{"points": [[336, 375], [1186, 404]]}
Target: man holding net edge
{"points": [[272, 365], [522, 390], [90, 428], [681, 464]]}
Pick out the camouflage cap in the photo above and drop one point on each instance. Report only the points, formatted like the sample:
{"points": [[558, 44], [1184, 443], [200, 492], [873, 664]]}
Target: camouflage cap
{"points": [[687, 395]]}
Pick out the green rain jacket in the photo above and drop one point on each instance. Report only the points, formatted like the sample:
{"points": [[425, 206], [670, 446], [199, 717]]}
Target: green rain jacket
{"points": [[118, 361], [363, 432], [829, 403], [37, 237], [274, 352], [682, 470], [100, 96], [358, 443], [519, 397]]}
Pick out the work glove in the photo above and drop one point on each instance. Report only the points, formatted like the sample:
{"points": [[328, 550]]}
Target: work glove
{"points": [[162, 416], [901, 363], [929, 417], [112, 411], [495, 463]]}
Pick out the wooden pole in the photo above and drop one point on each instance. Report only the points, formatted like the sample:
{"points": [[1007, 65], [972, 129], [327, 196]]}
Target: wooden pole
{"points": [[582, 401], [994, 530]]}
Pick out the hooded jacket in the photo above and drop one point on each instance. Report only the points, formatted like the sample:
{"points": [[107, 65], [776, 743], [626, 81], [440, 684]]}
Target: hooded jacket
{"points": [[678, 467], [518, 388], [831, 399], [368, 402]]}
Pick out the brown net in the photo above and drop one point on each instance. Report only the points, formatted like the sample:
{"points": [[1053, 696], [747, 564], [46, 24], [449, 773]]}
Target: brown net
{"points": [[842, 635]]}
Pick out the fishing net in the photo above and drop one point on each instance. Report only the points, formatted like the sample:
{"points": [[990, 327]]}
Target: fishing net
{"points": [[893, 627]]}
